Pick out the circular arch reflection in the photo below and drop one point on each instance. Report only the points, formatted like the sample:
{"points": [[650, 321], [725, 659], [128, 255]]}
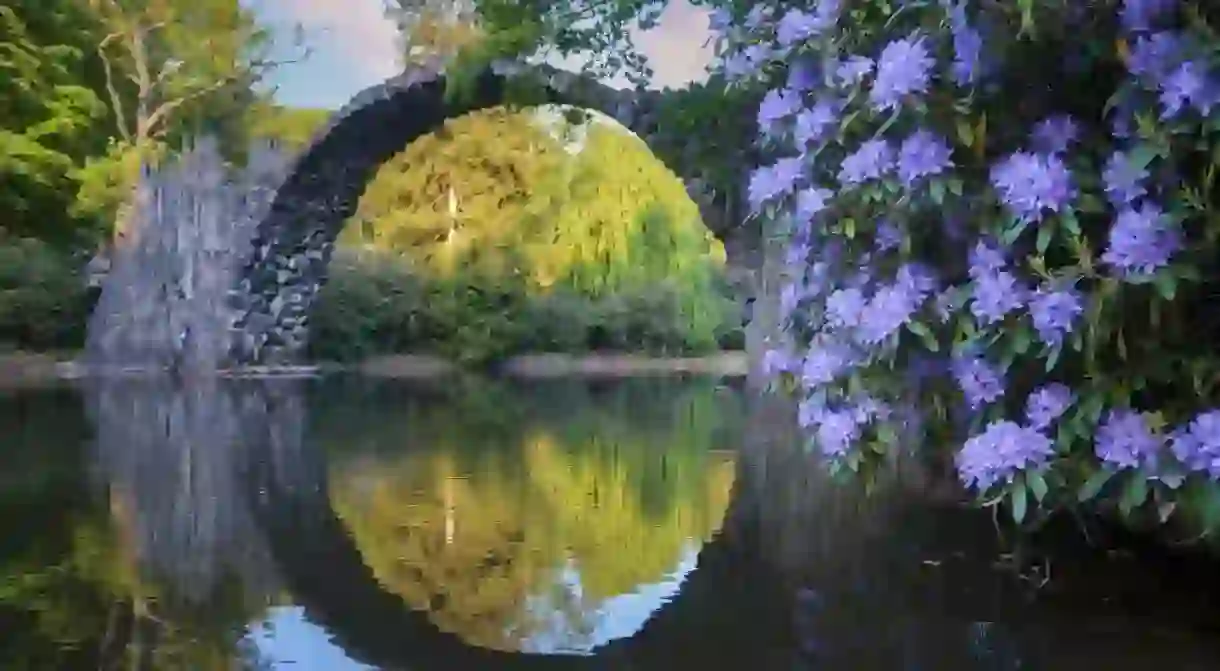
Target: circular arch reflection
{"points": [[557, 544]]}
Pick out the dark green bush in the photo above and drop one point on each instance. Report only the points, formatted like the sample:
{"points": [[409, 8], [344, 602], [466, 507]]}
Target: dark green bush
{"points": [[374, 305], [44, 303]]}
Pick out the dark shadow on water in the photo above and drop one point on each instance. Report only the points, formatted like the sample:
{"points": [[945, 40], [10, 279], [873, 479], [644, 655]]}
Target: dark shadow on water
{"points": [[639, 524]]}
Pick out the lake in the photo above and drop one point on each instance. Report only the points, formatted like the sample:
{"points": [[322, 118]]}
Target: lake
{"points": [[656, 523]]}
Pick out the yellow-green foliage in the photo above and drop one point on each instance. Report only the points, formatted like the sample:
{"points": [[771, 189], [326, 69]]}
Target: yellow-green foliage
{"points": [[497, 193]]}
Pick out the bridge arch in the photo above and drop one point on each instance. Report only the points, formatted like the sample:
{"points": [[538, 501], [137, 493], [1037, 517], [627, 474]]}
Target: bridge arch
{"points": [[293, 241]]}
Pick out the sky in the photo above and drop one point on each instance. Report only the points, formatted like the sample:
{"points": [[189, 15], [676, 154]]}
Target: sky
{"points": [[353, 47]]}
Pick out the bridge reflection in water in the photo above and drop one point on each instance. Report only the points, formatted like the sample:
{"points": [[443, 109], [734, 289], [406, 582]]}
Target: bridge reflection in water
{"points": [[216, 481]]}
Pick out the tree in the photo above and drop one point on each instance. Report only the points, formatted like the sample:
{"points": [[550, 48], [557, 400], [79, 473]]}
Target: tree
{"points": [[173, 68], [49, 119], [531, 195], [434, 28]]}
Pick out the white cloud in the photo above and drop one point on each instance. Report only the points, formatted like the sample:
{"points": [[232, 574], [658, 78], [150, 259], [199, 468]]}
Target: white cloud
{"points": [[356, 30], [677, 48], [355, 36]]}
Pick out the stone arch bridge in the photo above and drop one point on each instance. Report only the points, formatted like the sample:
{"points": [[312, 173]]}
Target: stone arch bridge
{"points": [[293, 238]]}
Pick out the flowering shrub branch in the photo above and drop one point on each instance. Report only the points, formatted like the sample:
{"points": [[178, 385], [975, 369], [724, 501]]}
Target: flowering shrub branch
{"points": [[1002, 222]]}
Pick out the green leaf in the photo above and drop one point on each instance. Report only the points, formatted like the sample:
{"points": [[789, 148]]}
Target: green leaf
{"points": [[926, 335], [1044, 237], [1069, 221], [1053, 358], [1037, 485], [1134, 494], [1023, 338], [937, 188], [1166, 285], [1165, 509], [1019, 502], [965, 134], [1093, 486], [1142, 156]]}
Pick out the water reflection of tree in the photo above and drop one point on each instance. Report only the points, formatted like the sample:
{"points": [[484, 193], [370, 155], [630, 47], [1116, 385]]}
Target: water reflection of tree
{"points": [[478, 530], [74, 592]]}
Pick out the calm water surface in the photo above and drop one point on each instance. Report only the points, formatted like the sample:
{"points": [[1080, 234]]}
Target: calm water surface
{"points": [[347, 524]]}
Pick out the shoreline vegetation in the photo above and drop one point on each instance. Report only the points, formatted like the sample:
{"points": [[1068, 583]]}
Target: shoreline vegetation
{"points": [[19, 368]]}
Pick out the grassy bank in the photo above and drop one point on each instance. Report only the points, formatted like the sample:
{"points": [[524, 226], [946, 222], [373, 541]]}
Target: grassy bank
{"points": [[19, 369]]}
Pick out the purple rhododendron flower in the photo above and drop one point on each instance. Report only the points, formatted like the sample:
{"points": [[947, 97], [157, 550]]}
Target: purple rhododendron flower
{"points": [[1047, 404], [747, 62], [1055, 313], [887, 311], [922, 154], [944, 305], [1142, 240], [824, 363], [719, 20], [967, 47], [811, 201], [889, 236], [1197, 445], [796, 25], [1003, 450], [903, 69], [867, 409], [757, 16], [1054, 135], [995, 295], [798, 252], [790, 297], [1154, 56], [872, 160], [777, 105], [1123, 179], [802, 76], [986, 259], [845, 307], [1141, 15], [979, 381], [816, 123], [854, 70], [767, 182], [776, 361], [1124, 440], [836, 432], [1191, 84], [1030, 184], [811, 410], [917, 279]]}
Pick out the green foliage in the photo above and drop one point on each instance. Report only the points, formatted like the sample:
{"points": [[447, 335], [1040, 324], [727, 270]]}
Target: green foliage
{"points": [[617, 484], [49, 121], [373, 304], [513, 219], [499, 190], [290, 127], [43, 301]]}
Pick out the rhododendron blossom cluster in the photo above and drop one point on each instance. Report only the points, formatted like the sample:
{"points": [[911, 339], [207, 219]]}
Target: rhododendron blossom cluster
{"points": [[978, 242]]}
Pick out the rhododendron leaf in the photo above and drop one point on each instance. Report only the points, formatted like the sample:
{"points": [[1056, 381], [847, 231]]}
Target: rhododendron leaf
{"points": [[1166, 285], [1045, 232], [1134, 494], [1037, 485], [1018, 500], [1093, 486]]}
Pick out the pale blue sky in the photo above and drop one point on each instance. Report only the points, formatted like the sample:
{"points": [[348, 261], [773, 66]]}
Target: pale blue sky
{"points": [[353, 47]]}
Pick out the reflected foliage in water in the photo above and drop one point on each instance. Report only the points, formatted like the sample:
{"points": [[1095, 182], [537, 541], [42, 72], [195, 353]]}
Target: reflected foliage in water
{"points": [[347, 525], [516, 537]]}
